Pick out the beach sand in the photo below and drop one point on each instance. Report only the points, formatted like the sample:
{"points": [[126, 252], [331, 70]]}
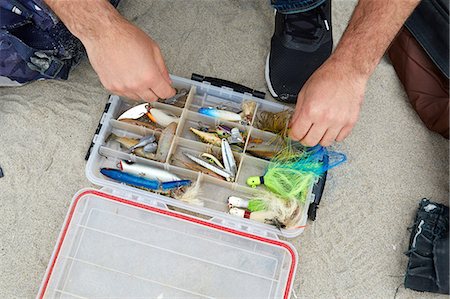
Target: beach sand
{"points": [[356, 247]]}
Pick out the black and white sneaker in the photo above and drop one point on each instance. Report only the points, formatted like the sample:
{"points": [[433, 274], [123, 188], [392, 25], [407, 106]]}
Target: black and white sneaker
{"points": [[300, 44]]}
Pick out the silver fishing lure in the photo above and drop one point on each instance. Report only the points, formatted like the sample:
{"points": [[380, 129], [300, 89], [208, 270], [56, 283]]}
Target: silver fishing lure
{"points": [[151, 147], [236, 136], [175, 98], [143, 142], [222, 172], [228, 159]]}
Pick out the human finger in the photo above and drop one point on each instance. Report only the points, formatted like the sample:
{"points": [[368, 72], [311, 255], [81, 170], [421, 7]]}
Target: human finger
{"points": [[314, 135]]}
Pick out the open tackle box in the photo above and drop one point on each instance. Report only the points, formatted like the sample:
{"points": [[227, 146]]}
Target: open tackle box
{"points": [[121, 241]]}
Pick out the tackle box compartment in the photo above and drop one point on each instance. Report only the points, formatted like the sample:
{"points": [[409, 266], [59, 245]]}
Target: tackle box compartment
{"points": [[122, 241]]}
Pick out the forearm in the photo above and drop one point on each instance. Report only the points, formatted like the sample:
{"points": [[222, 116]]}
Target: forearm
{"points": [[373, 26], [86, 19]]}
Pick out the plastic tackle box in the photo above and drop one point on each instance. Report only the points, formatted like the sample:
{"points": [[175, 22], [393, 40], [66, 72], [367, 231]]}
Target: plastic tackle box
{"points": [[122, 241]]}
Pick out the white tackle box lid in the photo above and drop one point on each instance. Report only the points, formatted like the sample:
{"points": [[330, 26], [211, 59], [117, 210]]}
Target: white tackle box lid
{"points": [[135, 247]]}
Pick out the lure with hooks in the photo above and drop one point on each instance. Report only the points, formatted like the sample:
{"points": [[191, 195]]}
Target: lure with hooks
{"points": [[220, 171], [148, 172], [161, 117], [228, 158], [135, 112], [220, 114], [142, 182]]}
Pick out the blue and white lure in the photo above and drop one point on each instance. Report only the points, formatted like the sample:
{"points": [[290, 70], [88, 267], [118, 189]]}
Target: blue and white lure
{"points": [[141, 182], [220, 114]]}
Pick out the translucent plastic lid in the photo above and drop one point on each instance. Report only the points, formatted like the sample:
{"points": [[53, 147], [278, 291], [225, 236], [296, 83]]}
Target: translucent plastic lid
{"points": [[112, 247]]}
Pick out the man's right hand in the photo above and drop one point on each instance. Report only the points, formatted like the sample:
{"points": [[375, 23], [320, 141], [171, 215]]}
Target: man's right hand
{"points": [[129, 63]]}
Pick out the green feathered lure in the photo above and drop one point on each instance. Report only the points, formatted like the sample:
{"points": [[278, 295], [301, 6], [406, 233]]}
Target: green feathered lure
{"points": [[293, 171]]}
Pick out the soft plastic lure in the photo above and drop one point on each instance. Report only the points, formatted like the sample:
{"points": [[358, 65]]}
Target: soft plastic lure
{"points": [[220, 114], [142, 182]]}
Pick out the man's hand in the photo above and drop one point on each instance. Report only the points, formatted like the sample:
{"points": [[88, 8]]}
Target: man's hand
{"points": [[328, 105], [127, 61]]}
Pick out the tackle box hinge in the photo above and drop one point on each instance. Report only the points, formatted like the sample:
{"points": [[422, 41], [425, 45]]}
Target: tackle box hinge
{"points": [[97, 130], [232, 85]]}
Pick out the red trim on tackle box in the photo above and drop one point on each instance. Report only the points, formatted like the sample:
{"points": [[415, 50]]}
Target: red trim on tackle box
{"points": [[171, 214]]}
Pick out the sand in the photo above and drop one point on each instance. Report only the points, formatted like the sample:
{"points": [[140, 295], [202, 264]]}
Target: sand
{"points": [[354, 249]]}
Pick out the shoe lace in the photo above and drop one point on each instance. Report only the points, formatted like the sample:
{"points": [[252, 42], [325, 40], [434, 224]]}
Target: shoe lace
{"points": [[295, 23]]}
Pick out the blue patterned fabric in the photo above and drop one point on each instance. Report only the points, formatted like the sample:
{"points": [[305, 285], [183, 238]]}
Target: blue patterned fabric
{"points": [[34, 44]]}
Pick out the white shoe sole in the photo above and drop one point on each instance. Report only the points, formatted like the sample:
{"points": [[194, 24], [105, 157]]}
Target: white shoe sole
{"points": [[267, 75]]}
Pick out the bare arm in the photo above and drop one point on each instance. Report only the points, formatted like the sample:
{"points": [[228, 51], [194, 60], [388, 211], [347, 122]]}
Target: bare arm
{"points": [[127, 61], [329, 103]]}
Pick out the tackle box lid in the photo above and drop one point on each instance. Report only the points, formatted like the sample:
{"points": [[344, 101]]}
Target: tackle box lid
{"points": [[117, 244]]}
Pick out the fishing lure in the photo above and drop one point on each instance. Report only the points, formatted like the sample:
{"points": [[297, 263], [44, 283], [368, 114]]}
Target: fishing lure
{"points": [[228, 159], [248, 110], [212, 159], [161, 117], [260, 216], [135, 112], [210, 138], [223, 131], [151, 147], [197, 167], [165, 140], [220, 114], [264, 151], [151, 173], [274, 122], [136, 122], [235, 137], [191, 195], [222, 172], [267, 207], [128, 143], [175, 99], [252, 205], [292, 171], [143, 142], [142, 182]]}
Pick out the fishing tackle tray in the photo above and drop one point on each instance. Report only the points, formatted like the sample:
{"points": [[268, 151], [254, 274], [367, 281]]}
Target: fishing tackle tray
{"points": [[122, 241]]}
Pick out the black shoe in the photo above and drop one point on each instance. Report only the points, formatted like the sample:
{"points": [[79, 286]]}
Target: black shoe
{"points": [[300, 44]]}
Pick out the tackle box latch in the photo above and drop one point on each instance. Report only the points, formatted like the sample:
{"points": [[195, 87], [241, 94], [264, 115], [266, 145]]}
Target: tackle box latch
{"points": [[225, 83], [99, 127]]}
